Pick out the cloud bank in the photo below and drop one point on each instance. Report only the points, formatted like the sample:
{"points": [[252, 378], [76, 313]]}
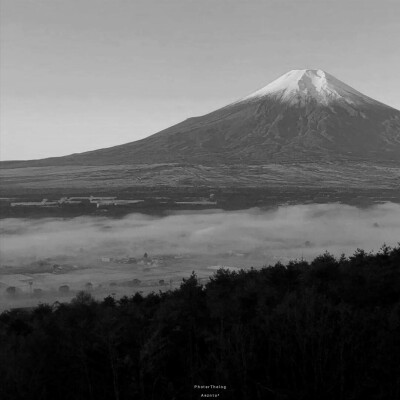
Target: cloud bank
{"points": [[285, 233]]}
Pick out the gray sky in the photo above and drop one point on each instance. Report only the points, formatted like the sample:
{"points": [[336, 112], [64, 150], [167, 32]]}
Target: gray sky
{"points": [[78, 75]]}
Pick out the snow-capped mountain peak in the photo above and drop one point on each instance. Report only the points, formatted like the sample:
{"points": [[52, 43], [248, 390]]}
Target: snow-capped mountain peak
{"points": [[298, 85], [305, 115]]}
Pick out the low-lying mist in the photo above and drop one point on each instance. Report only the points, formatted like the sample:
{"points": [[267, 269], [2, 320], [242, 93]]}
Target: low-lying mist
{"points": [[285, 233], [48, 260]]}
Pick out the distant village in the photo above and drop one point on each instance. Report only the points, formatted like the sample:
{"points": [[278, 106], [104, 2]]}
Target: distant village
{"points": [[98, 201], [22, 284], [105, 202]]}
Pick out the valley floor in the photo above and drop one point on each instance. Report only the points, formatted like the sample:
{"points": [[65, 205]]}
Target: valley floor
{"points": [[164, 187]]}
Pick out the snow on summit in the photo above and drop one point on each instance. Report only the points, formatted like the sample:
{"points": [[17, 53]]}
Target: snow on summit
{"points": [[300, 84]]}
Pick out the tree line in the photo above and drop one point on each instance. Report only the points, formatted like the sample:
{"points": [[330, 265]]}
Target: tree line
{"points": [[325, 329]]}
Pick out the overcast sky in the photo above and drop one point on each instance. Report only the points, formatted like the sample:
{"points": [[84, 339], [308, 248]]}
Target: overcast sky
{"points": [[78, 75]]}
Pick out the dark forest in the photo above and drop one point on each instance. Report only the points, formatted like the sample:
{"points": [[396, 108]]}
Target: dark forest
{"points": [[326, 329]]}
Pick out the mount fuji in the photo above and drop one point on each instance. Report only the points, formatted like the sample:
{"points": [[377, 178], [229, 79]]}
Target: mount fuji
{"points": [[303, 115]]}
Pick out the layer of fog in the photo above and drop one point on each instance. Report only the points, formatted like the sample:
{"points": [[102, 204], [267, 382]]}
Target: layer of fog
{"points": [[285, 233]]}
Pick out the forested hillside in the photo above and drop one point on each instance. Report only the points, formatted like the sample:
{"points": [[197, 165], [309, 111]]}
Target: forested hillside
{"points": [[328, 329]]}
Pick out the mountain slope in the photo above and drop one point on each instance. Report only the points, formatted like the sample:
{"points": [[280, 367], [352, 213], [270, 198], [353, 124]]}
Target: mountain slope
{"points": [[303, 115]]}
